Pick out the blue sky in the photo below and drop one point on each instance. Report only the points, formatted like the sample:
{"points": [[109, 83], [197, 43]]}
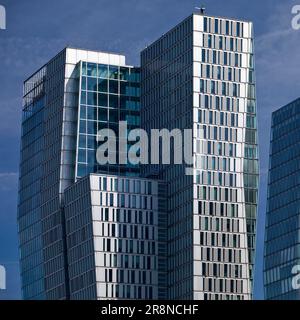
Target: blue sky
{"points": [[37, 30]]}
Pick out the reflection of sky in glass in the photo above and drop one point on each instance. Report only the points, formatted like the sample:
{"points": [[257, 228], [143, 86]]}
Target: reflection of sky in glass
{"points": [[109, 94]]}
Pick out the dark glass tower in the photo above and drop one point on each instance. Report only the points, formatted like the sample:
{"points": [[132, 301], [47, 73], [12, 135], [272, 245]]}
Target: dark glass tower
{"points": [[282, 238]]}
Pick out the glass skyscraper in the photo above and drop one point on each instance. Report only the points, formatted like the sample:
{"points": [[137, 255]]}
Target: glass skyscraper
{"points": [[200, 75], [65, 103], [282, 237], [123, 231]]}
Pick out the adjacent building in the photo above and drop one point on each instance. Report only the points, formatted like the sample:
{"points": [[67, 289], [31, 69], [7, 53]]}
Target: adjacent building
{"points": [[282, 236], [130, 231]]}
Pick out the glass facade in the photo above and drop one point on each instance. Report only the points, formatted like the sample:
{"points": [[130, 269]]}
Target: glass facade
{"points": [[108, 94], [29, 202], [282, 237]]}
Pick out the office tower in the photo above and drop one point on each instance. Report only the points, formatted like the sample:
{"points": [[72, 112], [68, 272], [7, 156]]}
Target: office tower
{"points": [[200, 75], [65, 102], [282, 237]]}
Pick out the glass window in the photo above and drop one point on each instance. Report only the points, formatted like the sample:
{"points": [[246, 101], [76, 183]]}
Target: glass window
{"points": [[113, 72], [102, 114], [216, 25], [91, 142], [205, 24], [81, 155], [102, 99], [92, 98], [92, 69], [124, 73], [83, 83], [102, 71], [238, 29], [92, 127], [83, 112], [113, 101], [203, 55], [113, 86], [92, 84], [92, 113], [104, 184], [227, 28], [102, 85]]}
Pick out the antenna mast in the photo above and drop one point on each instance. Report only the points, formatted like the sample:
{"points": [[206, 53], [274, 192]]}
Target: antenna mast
{"points": [[201, 8]]}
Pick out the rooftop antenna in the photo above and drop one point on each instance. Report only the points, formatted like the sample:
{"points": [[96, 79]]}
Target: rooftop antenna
{"points": [[202, 9]]}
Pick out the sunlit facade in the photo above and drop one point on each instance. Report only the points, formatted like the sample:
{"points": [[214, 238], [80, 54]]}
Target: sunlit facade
{"points": [[200, 75], [115, 229]]}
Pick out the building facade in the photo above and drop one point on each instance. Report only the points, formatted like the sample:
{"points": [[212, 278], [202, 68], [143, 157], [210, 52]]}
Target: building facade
{"points": [[116, 238], [200, 75], [282, 237]]}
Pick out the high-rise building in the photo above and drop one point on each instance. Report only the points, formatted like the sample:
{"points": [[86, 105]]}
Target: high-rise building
{"points": [[65, 102], [123, 231], [200, 75], [282, 236]]}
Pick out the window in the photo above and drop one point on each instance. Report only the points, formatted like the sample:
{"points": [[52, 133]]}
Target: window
{"points": [[104, 184], [203, 55], [216, 25], [227, 28], [205, 24]]}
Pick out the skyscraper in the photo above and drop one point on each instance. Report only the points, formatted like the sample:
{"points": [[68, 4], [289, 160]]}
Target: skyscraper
{"points": [[282, 237], [65, 102], [124, 231], [200, 75]]}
